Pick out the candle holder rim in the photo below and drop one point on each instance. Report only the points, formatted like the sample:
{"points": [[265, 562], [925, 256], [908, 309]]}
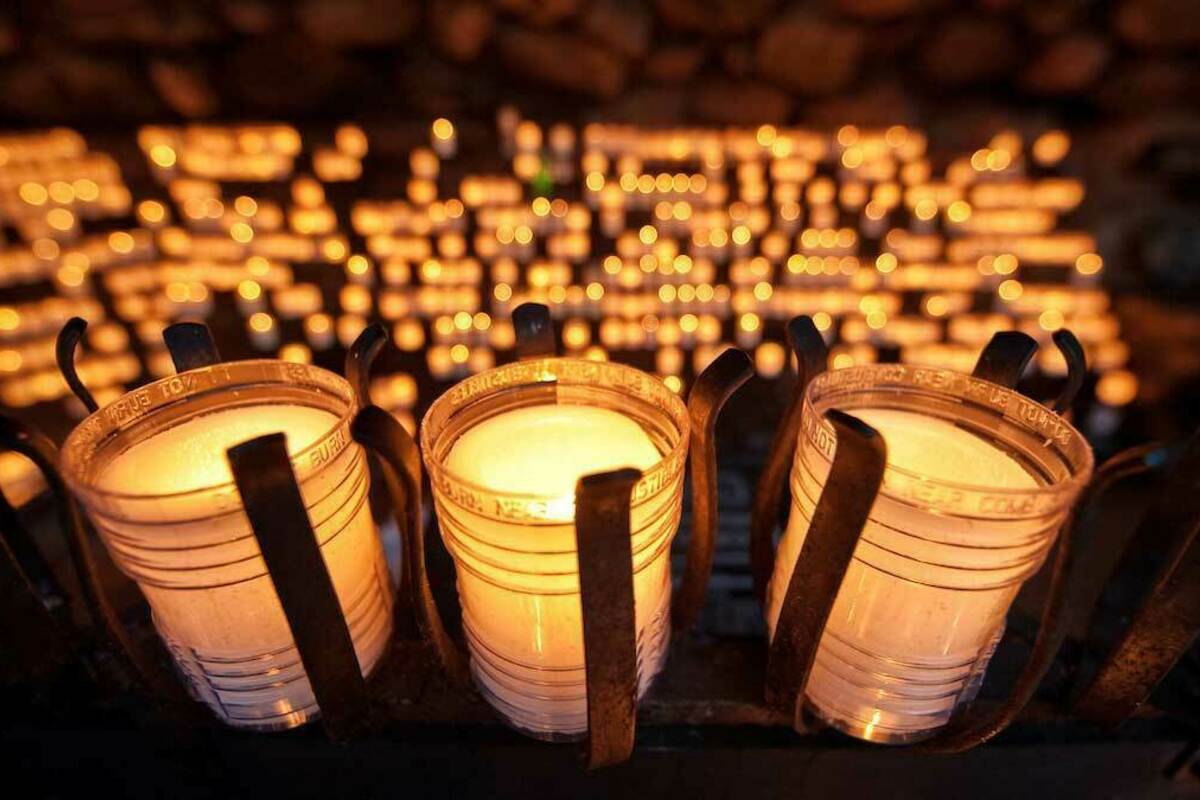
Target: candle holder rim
{"points": [[1069, 487], [437, 471], [73, 472]]}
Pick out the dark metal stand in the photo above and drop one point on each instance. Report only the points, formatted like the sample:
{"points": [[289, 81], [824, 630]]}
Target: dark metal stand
{"points": [[265, 480], [386, 438], [33, 642], [712, 389], [535, 331], [811, 358], [1005, 358], [605, 554], [971, 730], [361, 356], [20, 438], [191, 345], [64, 352], [837, 523], [842, 510], [1168, 621]]}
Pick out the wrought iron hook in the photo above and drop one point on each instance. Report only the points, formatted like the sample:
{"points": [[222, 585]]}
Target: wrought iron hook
{"points": [[1072, 352], [812, 356], [64, 353], [711, 390], [360, 358], [971, 731], [1005, 358], [535, 332], [837, 523], [383, 435], [191, 345]]}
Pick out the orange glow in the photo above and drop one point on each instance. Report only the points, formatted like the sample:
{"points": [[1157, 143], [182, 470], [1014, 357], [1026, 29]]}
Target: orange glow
{"points": [[443, 129]]}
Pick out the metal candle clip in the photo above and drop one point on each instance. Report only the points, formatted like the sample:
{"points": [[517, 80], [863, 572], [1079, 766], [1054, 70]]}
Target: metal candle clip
{"points": [[267, 485], [603, 544], [849, 492]]}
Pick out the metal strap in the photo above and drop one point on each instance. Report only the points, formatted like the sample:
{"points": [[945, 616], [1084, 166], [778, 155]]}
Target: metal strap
{"points": [[361, 356], [1072, 352], [275, 508], [32, 639], [1168, 620], [1005, 358], [605, 552], [973, 730], [64, 353], [535, 332], [812, 356], [708, 396], [31, 443], [837, 522], [191, 345], [384, 436]]}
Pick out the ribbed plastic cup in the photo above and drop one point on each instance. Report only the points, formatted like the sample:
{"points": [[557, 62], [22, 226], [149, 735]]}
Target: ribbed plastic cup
{"points": [[193, 552], [518, 577], [924, 601]]}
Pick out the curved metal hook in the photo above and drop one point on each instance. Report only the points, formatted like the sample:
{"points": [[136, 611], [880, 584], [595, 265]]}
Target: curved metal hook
{"points": [[191, 345], [23, 439], [382, 434], [64, 353], [1005, 358], [35, 642], [361, 356], [1077, 368], [972, 731], [1167, 619], [535, 332], [812, 357], [708, 396], [837, 523]]}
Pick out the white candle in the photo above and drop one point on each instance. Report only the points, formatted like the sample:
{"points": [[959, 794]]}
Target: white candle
{"points": [[192, 455], [923, 602], [154, 477], [518, 580]]}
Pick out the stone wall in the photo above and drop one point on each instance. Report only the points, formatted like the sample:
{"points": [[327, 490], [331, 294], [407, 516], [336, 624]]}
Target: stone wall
{"points": [[720, 61]]}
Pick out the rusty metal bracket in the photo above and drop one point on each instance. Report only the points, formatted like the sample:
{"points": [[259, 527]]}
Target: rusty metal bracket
{"points": [[1168, 621], [273, 504], [29, 556], [1072, 352], [191, 345], [812, 356], [837, 523], [535, 332], [970, 731], [708, 396], [64, 353], [605, 553], [1005, 358], [33, 641], [31, 443], [361, 356], [380, 433]]}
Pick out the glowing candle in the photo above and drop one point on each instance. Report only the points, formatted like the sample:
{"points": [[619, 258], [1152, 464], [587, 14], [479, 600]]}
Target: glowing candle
{"points": [[960, 523], [153, 475], [512, 532]]}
